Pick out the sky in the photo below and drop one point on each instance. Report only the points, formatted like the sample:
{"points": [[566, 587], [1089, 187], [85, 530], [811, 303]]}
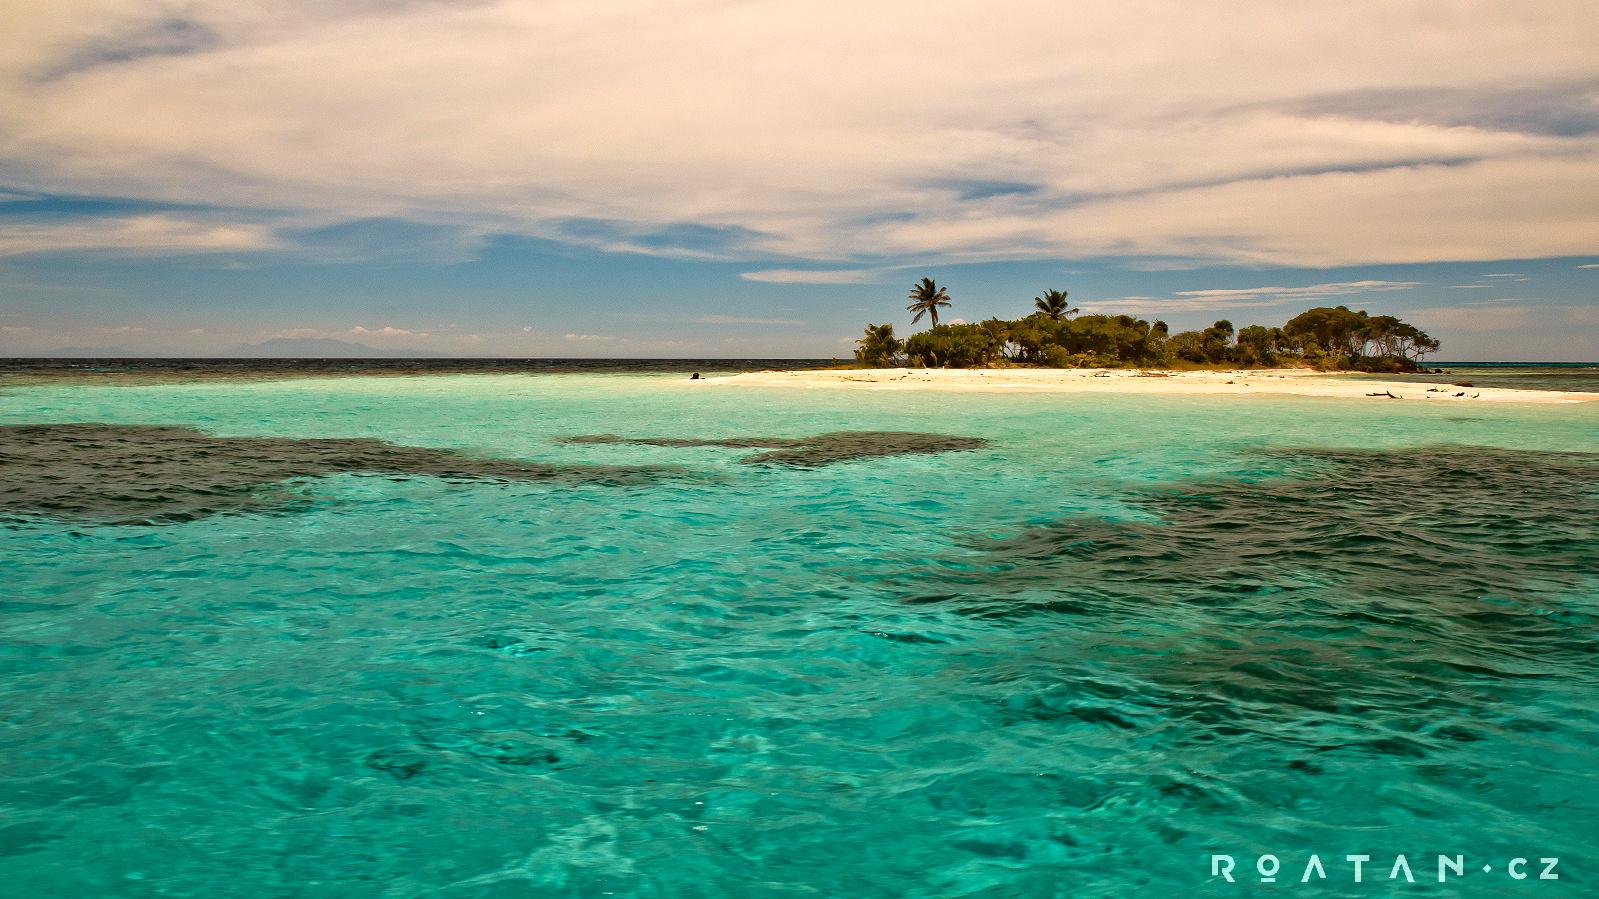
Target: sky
{"points": [[732, 178]]}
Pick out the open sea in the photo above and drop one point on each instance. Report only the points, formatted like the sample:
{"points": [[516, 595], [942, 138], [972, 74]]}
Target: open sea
{"points": [[435, 630]]}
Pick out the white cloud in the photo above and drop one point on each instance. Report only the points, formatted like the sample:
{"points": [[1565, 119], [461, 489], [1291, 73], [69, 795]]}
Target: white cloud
{"points": [[1243, 297], [1284, 294], [388, 331], [812, 276], [1498, 280], [739, 320], [134, 234], [1202, 131], [1161, 306], [632, 345]]}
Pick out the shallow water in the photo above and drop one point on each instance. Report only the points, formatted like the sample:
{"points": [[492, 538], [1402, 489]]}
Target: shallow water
{"points": [[1577, 376], [1125, 633]]}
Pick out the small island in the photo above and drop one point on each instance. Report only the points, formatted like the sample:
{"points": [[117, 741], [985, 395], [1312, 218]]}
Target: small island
{"points": [[1325, 338], [1328, 351]]}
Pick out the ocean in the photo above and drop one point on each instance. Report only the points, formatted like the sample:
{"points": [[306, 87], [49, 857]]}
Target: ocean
{"points": [[451, 632], [1577, 376]]}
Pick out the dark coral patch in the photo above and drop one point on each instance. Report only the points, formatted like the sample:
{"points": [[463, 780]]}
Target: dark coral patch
{"points": [[1480, 520], [153, 473], [811, 452], [1426, 584]]}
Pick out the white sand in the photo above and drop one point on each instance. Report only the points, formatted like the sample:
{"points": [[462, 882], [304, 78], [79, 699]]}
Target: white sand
{"points": [[1283, 381]]}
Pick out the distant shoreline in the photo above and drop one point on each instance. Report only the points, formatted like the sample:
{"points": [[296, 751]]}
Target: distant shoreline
{"points": [[143, 370], [1149, 381], [1495, 381], [673, 361]]}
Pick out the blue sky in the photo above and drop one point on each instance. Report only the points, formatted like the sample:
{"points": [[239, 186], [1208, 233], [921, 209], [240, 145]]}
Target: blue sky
{"points": [[687, 178]]}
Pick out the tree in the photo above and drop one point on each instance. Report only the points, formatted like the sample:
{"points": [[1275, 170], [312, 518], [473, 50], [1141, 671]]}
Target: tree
{"points": [[1325, 337], [1381, 333], [1257, 345], [956, 346], [1333, 330], [1392, 338], [1413, 343], [879, 348], [1188, 346], [1216, 341], [1053, 304], [925, 299]]}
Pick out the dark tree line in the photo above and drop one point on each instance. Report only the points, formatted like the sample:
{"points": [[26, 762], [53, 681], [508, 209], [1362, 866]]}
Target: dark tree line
{"points": [[1327, 337]]}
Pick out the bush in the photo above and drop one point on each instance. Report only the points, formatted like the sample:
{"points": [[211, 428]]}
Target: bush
{"points": [[955, 346]]}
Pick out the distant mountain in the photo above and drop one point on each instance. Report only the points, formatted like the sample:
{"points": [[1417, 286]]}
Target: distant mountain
{"points": [[322, 348]]}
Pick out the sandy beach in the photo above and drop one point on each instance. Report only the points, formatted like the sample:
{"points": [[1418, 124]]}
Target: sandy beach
{"points": [[1285, 381]]}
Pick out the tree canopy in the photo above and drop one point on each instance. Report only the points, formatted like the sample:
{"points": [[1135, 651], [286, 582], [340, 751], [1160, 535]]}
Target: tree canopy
{"points": [[1053, 304], [926, 297], [1327, 337]]}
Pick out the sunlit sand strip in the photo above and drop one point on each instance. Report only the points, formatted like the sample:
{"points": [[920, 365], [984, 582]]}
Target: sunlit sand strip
{"points": [[1290, 382]]}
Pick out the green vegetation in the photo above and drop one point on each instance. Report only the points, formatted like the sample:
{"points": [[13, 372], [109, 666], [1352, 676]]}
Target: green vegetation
{"points": [[925, 298], [879, 348], [1053, 304], [1325, 337]]}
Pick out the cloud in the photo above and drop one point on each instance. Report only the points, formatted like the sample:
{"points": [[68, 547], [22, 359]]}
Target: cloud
{"points": [[813, 276], [739, 320], [387, 331], [1243, 297], [1158, 305], [1559, 109], [170, 36], [155, 233], [1285, 294], [1259, 133], [1495, 280], [633, 345]]}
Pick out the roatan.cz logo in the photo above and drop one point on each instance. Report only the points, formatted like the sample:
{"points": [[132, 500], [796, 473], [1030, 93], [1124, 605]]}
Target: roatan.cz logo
{"points": [[1361, 869]]}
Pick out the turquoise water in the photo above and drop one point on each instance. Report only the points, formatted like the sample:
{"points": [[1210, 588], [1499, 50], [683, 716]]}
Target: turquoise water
{"points": [[1127, 633]]}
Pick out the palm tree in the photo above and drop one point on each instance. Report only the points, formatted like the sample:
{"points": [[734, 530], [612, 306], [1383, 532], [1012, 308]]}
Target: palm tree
{"points": [[1053, 304], [925, 298]]}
